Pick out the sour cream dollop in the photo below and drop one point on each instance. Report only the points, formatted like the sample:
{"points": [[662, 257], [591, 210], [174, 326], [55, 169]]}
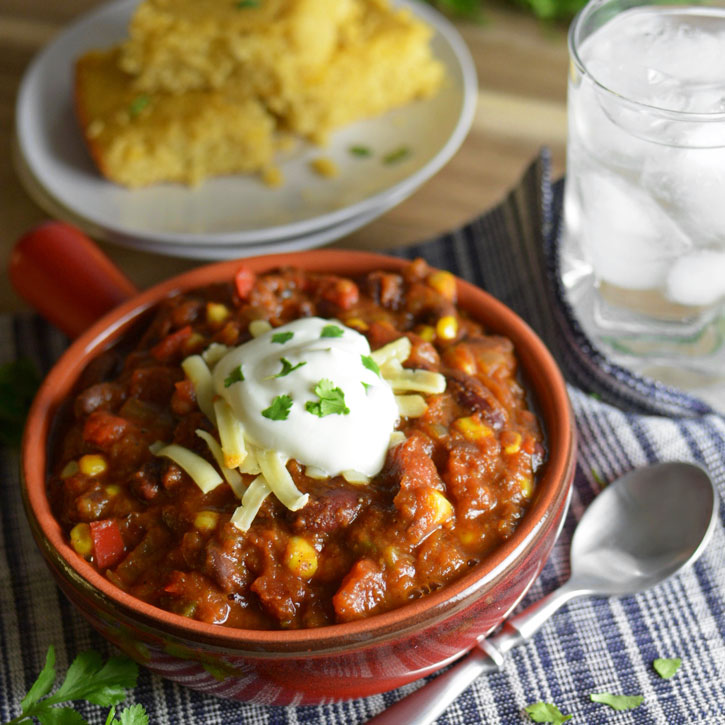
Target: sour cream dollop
{"points": [[289, 363]]}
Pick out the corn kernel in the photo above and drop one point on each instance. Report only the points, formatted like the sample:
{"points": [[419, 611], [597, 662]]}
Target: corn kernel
{"points": [[467, 537], [426, 332], [195, 341], [80, 539], [511, 441], [216, 313], [112, 490], [70, 469], [92, 464], [527, 486], [444, 283], [206, 520], [472, 428], [441, 507], [357, 324], [300, 557], [447, 327]]}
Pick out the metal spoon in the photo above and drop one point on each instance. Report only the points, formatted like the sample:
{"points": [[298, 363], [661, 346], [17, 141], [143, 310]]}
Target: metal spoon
{"points": [[638, 531]]}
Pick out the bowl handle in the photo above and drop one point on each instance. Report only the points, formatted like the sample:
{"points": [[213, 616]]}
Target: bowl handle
{"points": [[60, 272]]}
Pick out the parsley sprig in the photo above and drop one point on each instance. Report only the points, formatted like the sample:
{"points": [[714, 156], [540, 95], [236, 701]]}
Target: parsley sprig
{"points": [[279, 410], [88, 678], [331, 400], [287, 368], [235, 376], [281, 337], [546, 712]]}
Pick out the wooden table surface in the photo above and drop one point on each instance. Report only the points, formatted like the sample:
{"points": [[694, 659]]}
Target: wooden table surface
{"points": [[522, 68]]}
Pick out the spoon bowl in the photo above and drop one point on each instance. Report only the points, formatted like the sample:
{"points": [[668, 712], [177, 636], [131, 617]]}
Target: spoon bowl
{"points": [[641, 529]]}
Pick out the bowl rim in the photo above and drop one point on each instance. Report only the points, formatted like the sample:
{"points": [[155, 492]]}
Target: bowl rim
{"points": [[553, 485]]}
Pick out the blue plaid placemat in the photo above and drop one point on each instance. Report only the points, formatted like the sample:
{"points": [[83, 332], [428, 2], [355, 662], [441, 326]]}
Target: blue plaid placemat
{"points": [[594, 645]]}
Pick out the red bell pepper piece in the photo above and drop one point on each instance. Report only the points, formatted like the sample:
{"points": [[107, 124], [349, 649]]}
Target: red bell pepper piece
{"points": [[244, 281], [169, 347], [108, 546]]}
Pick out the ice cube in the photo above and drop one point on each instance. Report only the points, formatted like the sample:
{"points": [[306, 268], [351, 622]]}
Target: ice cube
{"points": [[697, 278], [630, 241], [691, 183]]}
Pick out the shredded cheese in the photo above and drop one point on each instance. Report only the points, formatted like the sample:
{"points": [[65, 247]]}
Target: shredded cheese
{"points": [[411, 406], [204, 475], [279, 480], [232, 477], [231, 433], [197, 371], [252, 501]]}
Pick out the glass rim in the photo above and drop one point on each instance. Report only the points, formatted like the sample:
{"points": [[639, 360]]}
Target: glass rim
{"points": [[669, 113]]}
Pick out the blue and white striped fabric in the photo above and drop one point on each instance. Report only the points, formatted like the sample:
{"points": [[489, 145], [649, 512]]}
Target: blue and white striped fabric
{"points": [[590, 646]]}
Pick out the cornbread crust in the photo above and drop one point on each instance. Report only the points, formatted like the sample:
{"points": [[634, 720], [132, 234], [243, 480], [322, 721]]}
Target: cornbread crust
{"points": [[141, 139]]}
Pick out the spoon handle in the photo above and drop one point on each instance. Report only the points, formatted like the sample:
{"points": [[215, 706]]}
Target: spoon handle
{"points": [[426, 704]]}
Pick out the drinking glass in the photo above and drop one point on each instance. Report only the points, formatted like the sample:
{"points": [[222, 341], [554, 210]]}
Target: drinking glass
{"points": [[643, 247]]}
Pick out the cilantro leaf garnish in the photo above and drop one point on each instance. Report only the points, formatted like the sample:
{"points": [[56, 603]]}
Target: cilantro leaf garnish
{"points": [[365, 385], [397, 155], [370, 364], [361, 151], [332, 331], [279, 410], [88, 678], [331, 400], [546, 712], [617, 702], [665, 667], [19, 380], [235, 376], [281, 337], [287, 367], [138, 104]]}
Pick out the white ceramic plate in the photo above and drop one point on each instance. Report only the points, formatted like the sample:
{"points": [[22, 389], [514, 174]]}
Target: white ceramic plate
{"points": [[237, 210], [312, 239]]}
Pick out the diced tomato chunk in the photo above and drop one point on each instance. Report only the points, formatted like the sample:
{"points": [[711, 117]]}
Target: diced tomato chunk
{"points": [[108, 547], [244, 281], [103, 429], [169, 347]]}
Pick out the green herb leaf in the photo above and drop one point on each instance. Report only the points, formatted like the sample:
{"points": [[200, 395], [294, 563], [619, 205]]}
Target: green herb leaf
{"points": [[282, 337], [617, 702], [361, 151], [19, 381], [370, 364], [332, 331], [88, 678], [240, 4], [365, 385], [235, 376], [43, 683], [398, 155], [546, 712], [332, 400], [134, 715], [287, 367], [138, 104], [279, 410], [666, 668]]}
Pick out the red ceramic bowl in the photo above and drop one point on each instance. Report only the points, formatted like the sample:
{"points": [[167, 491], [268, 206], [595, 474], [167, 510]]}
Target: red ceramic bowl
{"points": [[302, 666]]}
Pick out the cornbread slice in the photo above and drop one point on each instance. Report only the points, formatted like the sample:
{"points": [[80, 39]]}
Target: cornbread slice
{"points": [[180, 45], [137, 139]]}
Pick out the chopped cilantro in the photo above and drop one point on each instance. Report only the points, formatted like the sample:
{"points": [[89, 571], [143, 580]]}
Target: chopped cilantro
{"points": [[617, 702], [666, 668], [279, 410], [395, 156], [287, 367], [138, 104], [598, 478], [365, 385], [235, 376], [361, 151], [546, 712], [331, 400], [88, 678], [332, 331], [282, 337], [370, 364]]}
